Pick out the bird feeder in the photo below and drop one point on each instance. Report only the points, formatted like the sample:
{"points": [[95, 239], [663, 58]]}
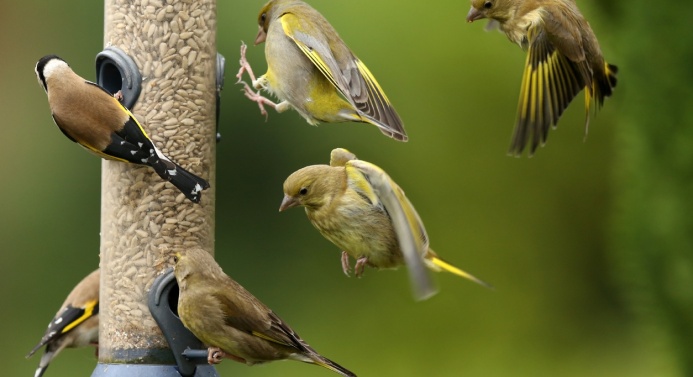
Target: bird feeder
{"points": [[167, 49]]}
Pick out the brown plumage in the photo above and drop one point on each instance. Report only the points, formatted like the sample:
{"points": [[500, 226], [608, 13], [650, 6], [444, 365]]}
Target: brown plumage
{"points": [[87, 114], [231, 321], [76, 324], [563, 58]]}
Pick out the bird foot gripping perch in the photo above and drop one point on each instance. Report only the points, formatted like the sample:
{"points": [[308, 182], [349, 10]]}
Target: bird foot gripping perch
{"points": [[215, 355]]}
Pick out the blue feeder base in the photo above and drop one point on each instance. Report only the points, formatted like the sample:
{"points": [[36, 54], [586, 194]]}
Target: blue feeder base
{"points": [[144, 370]]}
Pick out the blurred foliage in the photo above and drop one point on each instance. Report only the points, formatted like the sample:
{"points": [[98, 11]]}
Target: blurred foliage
{"points": [[588, 243], [653, 179]]}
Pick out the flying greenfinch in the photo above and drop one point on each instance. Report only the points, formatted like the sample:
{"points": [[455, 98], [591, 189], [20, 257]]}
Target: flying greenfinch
{"points": [[360, 209], [563, 58], [76, 324], [231, 321], [310, 69]]}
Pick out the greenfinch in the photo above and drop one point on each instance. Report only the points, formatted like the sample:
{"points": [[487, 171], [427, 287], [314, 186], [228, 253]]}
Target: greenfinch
{"points": [[76, 324], [360, 209], [563, 58], [310, 69], [231, 321]]}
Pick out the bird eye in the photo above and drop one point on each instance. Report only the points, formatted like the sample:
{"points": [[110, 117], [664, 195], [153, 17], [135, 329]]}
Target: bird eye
{"points": [[303, 191], [175, 259], [488, 5], [263, 17]]}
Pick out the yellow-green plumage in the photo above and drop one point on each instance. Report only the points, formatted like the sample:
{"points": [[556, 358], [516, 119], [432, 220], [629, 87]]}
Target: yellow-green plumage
{"points": [[563, 58], [224, 315], [311, 69], [352, 204]]}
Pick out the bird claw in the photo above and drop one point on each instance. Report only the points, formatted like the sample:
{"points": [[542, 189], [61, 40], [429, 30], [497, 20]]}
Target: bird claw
{"points": [[215, 355], [257, 83], [118, 96], [245, 65], [359, 266], [259, 99], [345, 264]]}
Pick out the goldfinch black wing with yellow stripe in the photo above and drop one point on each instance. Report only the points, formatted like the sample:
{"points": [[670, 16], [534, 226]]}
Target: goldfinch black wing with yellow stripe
{"points": [[81, 304], [373, 183], [75, 325], [346, 73], [132, 144], [553, 76], [69, 318]]}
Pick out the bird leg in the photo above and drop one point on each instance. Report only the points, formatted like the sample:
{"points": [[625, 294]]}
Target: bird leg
{"points": [[245, 66], [260, 83], [262, 101], [359, 266], [345, 263], [215, 355]]}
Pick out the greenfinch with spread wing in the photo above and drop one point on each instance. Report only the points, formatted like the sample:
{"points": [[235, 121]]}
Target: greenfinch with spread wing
{"points": [[563, 58], [231, 321], [360, 209], [311, 69]]}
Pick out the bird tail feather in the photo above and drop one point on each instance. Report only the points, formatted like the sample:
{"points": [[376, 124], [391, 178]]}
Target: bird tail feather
{"points": [[604, 84], [435, 263], [331, 365], [43, 364], [188, 183]]}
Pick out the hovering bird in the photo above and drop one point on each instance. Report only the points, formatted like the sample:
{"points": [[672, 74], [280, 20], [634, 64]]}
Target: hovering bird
{"points": [[563, 58], [310, 69], [360, 209]]}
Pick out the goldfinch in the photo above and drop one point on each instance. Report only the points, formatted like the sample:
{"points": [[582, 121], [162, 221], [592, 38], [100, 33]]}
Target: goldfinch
{"points": [[310, 69], [87, 114], [75, 325], [563, 58], [360, 209], [231, 321]]}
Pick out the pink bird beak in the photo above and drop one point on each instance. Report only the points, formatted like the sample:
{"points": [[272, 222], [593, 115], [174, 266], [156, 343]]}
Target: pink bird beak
{"points": [[474, 14], [261, 36], [288, 202]]}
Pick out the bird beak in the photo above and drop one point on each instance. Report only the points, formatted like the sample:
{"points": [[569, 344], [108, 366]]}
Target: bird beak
{"points": [[474, 14], [288, 202], [261, 36]]}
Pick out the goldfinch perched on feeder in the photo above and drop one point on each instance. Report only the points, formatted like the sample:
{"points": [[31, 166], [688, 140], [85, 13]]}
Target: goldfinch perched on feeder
{"points": [[75, 325], [563, 58], [360, 209], [310, 69], [87, 114], [231, 321]]}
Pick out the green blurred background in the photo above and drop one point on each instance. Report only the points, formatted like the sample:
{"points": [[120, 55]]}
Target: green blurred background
{"points": [[588, 243]]}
